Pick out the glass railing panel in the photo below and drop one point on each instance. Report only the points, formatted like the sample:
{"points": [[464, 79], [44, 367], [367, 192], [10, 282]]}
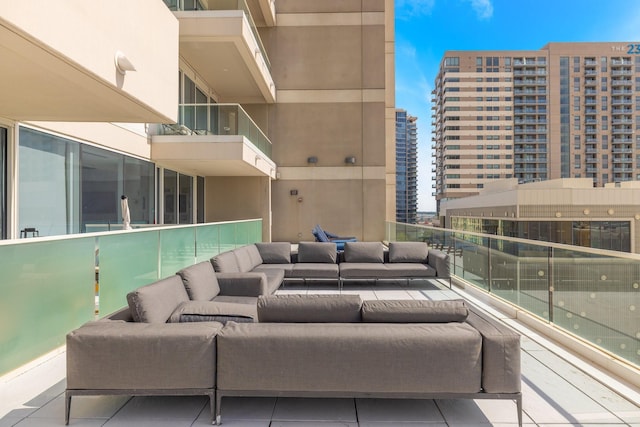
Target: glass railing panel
{"points": [[48, 289], [177, 249], [597, 298], [520, 274], [590, 293], [126, 261], [207, 242], [474, 261], [255, 234], [218, 119], [49, 286], [228, 237]]}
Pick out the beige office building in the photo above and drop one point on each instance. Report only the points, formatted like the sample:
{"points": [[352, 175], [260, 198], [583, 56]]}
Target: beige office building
{"points": [[568, 110], [197, 111], [568, 211]]}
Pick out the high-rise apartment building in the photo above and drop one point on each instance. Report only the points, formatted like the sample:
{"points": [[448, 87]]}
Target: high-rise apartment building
{"points": [[197, 111], [406, 167], [568, 110]]}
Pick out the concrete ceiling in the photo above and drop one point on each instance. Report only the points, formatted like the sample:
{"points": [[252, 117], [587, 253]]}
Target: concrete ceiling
{"points": [[39, 83], [211, 155], [221, 47]]}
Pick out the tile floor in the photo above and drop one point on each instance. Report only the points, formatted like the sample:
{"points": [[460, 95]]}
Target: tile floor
{"points": [[559, 390]]}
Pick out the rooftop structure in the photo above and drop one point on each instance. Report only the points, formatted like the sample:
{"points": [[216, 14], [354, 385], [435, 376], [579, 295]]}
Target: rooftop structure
{"points": [[566, 211]]}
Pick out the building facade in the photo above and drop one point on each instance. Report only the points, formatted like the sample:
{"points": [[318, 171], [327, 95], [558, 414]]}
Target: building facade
{"points": [[568, 110], [406, 167], [568, 211], [218, 118]]}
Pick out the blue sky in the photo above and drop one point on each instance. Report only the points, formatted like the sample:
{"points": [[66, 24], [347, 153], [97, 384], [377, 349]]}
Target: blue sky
{"points": [[425, 29]]}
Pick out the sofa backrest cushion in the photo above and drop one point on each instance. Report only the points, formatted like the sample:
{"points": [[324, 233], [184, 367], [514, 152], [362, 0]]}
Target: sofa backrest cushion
{"points": [[213, 311], [309, 308], [200, 281], [324, 252], [414, 311], [226, 262], [408, 252], [364, 252], [154, 303], [248, 257], [275, 252]]}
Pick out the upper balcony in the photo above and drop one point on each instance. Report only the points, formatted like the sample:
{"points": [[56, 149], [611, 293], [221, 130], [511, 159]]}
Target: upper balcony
{"points": [[214, 140], [221, 42], [79, 74]]}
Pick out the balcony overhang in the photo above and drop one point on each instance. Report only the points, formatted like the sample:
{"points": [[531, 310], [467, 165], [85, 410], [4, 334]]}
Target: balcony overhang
{"points": [[58, 61], [211, 155], [222, 47], [263, 12]]}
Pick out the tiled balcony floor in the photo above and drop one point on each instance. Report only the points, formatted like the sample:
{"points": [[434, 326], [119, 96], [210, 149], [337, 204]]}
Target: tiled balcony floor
{"points": [[558, 390]]}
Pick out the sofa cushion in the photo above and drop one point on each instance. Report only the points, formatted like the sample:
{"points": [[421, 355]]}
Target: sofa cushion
{"points": [[309, 308], [200, 281], [408, 252], [313, 270], [248, 257], [154, 303], [317, 252], [137, 356], [213, 311], [226, 262], [363, 270], [409, 269], [364, 252], [275, 252], [414, 311], [346, 358]]}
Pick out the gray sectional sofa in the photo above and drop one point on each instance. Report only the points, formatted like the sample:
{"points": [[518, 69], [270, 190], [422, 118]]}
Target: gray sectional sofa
{"points": [[202, 332], [363, 261], [340, 346]]}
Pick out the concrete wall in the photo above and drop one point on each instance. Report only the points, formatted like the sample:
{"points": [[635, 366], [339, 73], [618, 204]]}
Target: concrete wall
{"points": [[236, 198], [332, 75]]}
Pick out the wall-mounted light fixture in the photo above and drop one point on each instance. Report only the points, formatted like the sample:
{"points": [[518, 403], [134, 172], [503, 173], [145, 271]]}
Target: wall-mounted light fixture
{"points": [[351, 160], [123, 64], [293, 192], [312, 159]]}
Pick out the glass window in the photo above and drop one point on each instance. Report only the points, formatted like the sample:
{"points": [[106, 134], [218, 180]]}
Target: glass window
{"points": [[48, 183], [200, 200], [185, 206], [452, 61], [101, 191], [170, 191], [138, 186]]}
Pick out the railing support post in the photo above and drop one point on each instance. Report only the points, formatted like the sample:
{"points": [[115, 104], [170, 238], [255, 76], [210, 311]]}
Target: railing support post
{"points": [[550, 282]]}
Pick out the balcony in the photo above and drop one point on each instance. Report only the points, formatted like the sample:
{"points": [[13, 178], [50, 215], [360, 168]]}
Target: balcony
{"points": [[556, 296], [71, 75], [620, 82], [222, 43], [530, 169], [214, 140]]}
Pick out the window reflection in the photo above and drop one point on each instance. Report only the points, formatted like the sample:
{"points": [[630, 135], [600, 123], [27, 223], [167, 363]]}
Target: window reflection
{"points": [[610, 235]]}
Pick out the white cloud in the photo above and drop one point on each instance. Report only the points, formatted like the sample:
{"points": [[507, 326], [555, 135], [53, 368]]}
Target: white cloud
{"points": [[483, 8], [407, 9]]}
